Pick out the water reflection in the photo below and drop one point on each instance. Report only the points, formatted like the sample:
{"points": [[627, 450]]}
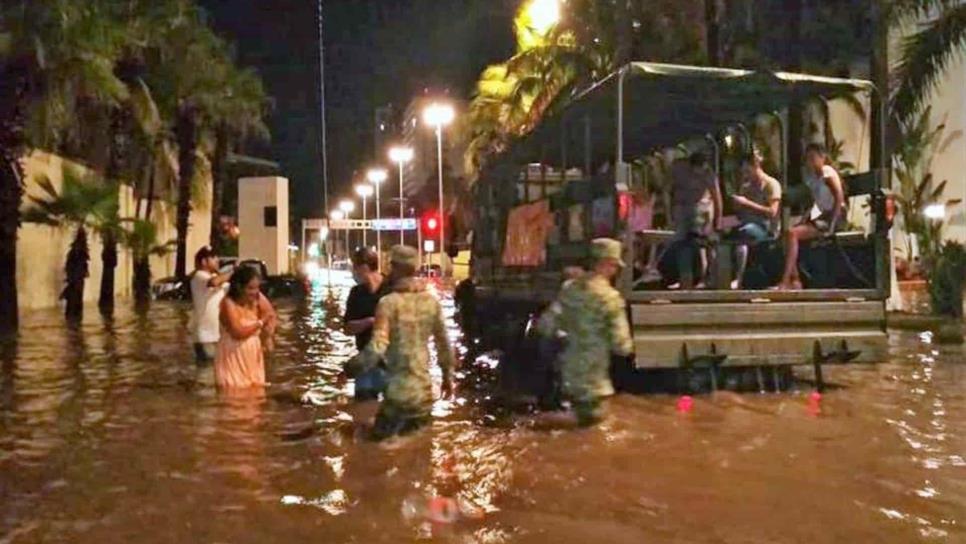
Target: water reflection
{"points": [[110, 432]]}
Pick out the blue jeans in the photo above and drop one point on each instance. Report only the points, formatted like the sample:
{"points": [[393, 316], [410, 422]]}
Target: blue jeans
{"points": [[370, 383], [753, 232]]}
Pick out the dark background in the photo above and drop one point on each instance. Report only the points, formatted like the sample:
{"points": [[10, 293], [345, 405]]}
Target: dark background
{"points": [[377, 52]]}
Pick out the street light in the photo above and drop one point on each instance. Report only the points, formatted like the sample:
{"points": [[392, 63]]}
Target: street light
{"points": [[400, 156], [544, 14], [437, 115], [377, 176], [364, 190]]}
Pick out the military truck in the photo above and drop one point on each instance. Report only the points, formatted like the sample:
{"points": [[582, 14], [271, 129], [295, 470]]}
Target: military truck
{"points": [[578, 175]]}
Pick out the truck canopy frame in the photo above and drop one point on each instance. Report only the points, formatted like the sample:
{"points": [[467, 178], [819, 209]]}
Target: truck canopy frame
{"points": [[668, 104]]}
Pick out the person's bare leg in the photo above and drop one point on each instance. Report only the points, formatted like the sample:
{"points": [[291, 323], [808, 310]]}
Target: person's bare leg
{"points": [[703, 272], [793, 240], [741, 258]]}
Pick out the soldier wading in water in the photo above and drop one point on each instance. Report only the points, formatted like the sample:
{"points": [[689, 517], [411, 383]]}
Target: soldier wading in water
{"points": [[405, 320], [591, 313]]}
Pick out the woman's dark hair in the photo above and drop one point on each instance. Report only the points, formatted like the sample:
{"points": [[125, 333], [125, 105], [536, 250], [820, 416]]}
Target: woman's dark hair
{"points": [[816, 147], [752, 158], [242, 277]]}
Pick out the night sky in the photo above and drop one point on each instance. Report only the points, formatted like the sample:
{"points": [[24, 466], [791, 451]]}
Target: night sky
{"points": [[377, 52]]}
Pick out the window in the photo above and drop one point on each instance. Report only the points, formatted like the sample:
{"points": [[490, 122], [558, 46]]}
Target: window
{"points": [[271, 216]]}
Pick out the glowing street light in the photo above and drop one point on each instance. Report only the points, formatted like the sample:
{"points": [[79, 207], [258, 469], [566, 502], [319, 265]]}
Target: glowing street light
{"points": [[400, 156], [377, 176], [438, 115], [364, 190], [544, 14]]}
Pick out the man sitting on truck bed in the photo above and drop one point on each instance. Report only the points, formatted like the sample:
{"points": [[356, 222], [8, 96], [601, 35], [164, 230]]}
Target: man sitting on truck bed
{"points": [[696, 210], [592, 315], [758, 204]]}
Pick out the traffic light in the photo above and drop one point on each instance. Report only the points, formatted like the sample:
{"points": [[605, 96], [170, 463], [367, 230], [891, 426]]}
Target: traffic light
{"points": [[429, 224]]}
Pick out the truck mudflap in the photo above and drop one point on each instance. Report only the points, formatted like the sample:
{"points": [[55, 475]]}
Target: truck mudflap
{"points": [[751, 334]]}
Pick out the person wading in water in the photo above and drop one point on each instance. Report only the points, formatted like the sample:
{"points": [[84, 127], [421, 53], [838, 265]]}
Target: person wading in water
{"points": [[405, 320], [591, 313]]}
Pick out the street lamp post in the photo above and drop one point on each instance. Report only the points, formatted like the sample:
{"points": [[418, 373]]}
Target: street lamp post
{"points": [[400, 156], [438, 115], [377, 176], [347, 207], [365, 191]]}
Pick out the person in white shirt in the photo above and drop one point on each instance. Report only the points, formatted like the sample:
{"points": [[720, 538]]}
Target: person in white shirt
{"points": [[208, 288], [828, 214]]}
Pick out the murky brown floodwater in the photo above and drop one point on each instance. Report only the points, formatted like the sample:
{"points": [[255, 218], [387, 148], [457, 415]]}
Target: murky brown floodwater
{"points": [[109, 433]]}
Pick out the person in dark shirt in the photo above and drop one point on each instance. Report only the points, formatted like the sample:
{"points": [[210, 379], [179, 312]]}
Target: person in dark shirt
{"points": [[360, 315]]}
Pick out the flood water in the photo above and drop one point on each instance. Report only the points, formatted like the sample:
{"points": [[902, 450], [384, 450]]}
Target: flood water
{"points": [[109, 432]]}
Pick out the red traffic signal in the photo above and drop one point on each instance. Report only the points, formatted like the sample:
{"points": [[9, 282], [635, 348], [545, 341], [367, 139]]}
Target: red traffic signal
{"points": [[429, 224]]}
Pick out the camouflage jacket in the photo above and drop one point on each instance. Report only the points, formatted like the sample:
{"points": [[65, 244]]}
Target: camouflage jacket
{"points": [[405, 320], [591, 313]]}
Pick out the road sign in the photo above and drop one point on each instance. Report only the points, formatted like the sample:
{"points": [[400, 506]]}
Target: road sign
{"points": [[429, 246], [394, 224]]}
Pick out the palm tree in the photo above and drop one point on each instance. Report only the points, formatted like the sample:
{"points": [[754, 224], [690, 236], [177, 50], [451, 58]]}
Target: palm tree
{"points": [[140, 237], [85, 201], [188, 76], [593, 40], [926, 53], [54, 55], [240, 115], [918, 145]]}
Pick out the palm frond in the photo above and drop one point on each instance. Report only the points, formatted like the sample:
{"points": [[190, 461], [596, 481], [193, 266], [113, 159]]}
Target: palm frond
{"points": [[924, 57]]}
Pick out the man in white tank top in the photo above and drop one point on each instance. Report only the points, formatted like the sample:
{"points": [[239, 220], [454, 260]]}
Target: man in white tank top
{"points": [[827, 214]]}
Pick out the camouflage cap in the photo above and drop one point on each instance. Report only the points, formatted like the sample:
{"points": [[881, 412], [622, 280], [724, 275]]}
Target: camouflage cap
{"points": [[404, 255], [606, 248]]}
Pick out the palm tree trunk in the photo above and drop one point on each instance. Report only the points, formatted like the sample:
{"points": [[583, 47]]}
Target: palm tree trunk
{"points": [[624, 44], [142, 279], [149, 204], [880, 76], [12, 144], [109, 238], [76, 270], [796, 110], [109, 264], [218, 179], [712, 25], [187, 133]]}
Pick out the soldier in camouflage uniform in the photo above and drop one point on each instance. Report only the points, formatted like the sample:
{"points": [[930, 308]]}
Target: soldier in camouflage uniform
{"points": [[405, 320], [591, 312]]}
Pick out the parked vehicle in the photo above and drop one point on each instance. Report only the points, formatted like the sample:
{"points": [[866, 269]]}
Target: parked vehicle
{"points": [[274, 287]]}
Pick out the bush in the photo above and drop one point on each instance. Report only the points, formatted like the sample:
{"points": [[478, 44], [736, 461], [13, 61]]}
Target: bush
{"points": [[947, 280]]}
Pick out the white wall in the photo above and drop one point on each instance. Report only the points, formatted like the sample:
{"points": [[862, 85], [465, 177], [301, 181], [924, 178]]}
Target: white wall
{"points": [[258, 241], [948, 103], [41, 250]]}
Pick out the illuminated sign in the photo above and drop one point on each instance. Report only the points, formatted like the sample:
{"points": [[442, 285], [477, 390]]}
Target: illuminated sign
{"points": [[394, 224]]}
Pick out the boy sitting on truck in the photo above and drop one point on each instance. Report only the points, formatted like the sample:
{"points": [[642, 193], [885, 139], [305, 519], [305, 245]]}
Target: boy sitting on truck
{"points": [[758, 204]]}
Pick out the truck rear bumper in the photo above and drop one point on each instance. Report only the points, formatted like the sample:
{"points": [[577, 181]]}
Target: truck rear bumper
{"points": [[743, 334]]}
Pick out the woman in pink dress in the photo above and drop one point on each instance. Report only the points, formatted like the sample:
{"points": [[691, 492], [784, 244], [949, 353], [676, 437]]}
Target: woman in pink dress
{"points": [[246, 317]]}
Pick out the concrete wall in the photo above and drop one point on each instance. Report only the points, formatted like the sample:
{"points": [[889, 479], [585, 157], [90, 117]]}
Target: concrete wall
{"points": [[41, 250], [258, 240], [949, 106]]}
